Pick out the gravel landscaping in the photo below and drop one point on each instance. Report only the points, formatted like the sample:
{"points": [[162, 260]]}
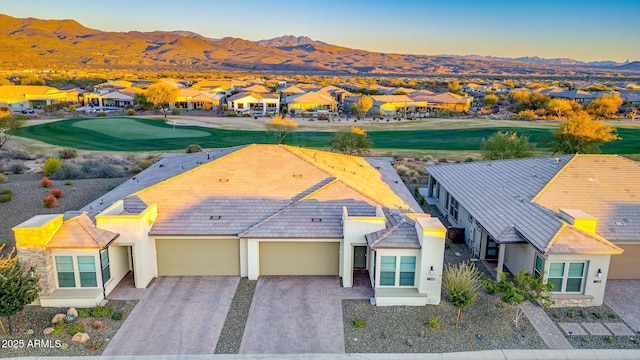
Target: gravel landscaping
{"points": [[233, 329], [601, 315], [31, 341], [486, 325], [28, 193]]}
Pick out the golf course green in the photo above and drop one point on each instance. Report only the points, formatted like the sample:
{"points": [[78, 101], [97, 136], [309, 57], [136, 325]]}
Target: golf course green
{"points": [[136, 134]]}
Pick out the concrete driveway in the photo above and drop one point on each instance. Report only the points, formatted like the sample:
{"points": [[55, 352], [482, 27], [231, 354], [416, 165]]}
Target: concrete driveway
{"points": [[298, 314], [177, 315], [623, 297]]}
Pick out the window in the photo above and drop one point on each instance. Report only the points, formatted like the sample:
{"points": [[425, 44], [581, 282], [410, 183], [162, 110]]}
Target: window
{"points": [[402, 273], [566, 277], [453, 207], [104, 262], [437, 194], [388, 270], [539, 266], [64, 266], [87, 270], [407, 270]]}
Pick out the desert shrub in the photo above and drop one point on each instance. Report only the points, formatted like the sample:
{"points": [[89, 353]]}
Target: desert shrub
{"points": [[72, 108], [101, 114], [101, 311], [99, 169], [68, 171], [246, 115], [16, 154], [233, 114], [66, 154], [143, 164], [433, 323], [131, 112], [5, 198], [6, 192], [175, 111], [117, 316], [59, 327], [358, 323], [3, 178], [84, 313], [526, 115], [57, 193], [193, 148], [60, 113], [46, 182], [94, 344], [16, 168], [50, 166], [68, 182], [50, 201], [97, 324], [75, 328]]}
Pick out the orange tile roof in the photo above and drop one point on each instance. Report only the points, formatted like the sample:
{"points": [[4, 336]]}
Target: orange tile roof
{"points": [[80, 232], [570, 240]]}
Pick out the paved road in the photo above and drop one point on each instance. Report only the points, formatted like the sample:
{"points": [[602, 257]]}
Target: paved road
{"points": [[178, 315], [297, 314]]}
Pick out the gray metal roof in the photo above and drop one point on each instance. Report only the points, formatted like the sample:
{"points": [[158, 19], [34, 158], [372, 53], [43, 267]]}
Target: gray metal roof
{"points": [[390, 176], [498, 194]]}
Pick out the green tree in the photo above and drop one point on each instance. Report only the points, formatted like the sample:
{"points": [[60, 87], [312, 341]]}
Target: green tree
{"points": [[490, 100], [279, 127], [524, 287], [454, 86], [363, 105], [141, 100], [355, 142], [17, 290], [506, 145], [606, 106], [163, 95], [8, 124], [581, 134], [461, 282], [560, 106]]}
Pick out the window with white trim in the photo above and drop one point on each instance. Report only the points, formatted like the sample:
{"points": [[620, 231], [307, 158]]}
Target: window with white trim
{"points": [[104, 263], [538, 268], [437, 194], [66, 273], [453, 207], [402, 272], [87, 271], [70, 268], [567, 276]]}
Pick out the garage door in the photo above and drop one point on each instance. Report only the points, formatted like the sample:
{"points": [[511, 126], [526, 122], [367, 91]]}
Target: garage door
{"points": [[181, 257], [626, 265], [296, 258]]}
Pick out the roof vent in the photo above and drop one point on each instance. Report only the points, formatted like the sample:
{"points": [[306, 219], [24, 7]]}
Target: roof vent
{"points": [[591, 179], [215, 217], [316, 219], [297, 176], [618, 223], [223, 180]]}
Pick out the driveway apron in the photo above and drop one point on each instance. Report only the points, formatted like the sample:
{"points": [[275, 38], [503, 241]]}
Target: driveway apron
{"points": [[178, 315], [297, 314], [623, 297]]}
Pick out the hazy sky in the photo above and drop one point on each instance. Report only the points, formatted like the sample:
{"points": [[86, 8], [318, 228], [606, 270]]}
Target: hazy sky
{"points": [[585, 30]]}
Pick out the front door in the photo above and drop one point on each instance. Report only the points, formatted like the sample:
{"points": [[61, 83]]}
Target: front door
{"points": [[359, 257], [492, 250]]}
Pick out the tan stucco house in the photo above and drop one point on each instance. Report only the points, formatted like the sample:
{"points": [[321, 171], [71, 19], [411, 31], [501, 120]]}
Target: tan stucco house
{"points": [[575, 219], [248, 211]]}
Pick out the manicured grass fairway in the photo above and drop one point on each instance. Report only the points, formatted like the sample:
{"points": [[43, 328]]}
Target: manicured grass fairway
{"points": [[132, 134]]}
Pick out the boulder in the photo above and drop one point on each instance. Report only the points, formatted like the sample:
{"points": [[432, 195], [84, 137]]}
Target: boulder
{"points": [[80, 338], [58, 318], [47, 331], [72, 311]]}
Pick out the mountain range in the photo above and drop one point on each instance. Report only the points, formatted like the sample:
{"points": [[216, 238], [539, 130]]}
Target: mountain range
{"points": [[37, 43]]}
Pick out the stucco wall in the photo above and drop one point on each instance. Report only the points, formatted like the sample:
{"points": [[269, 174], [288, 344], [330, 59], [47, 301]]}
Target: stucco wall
{"points": [[518, 257], [593, 285], [119, 266]]}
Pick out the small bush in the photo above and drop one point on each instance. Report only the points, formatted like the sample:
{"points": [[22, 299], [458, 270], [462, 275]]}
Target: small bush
{"points": [[433, 323], [66, 154], [5, 198], [246, 115], [635, 341], [143, 164], [101, 311], [17, 168], [57, 193], [447, 243], [175, 111], [50, 166], [586, 340], [93, 169], [233, 114], [358, 323], [101, 114], [116, 316], [75, 328], [3, 178], [6, 192], [68, 171], [59, 327], [84, 313], [68, 182], [46, 182], [131, 112], [97, 324], [94, 344], [50, 201], [609, 339], [193, 148]]}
